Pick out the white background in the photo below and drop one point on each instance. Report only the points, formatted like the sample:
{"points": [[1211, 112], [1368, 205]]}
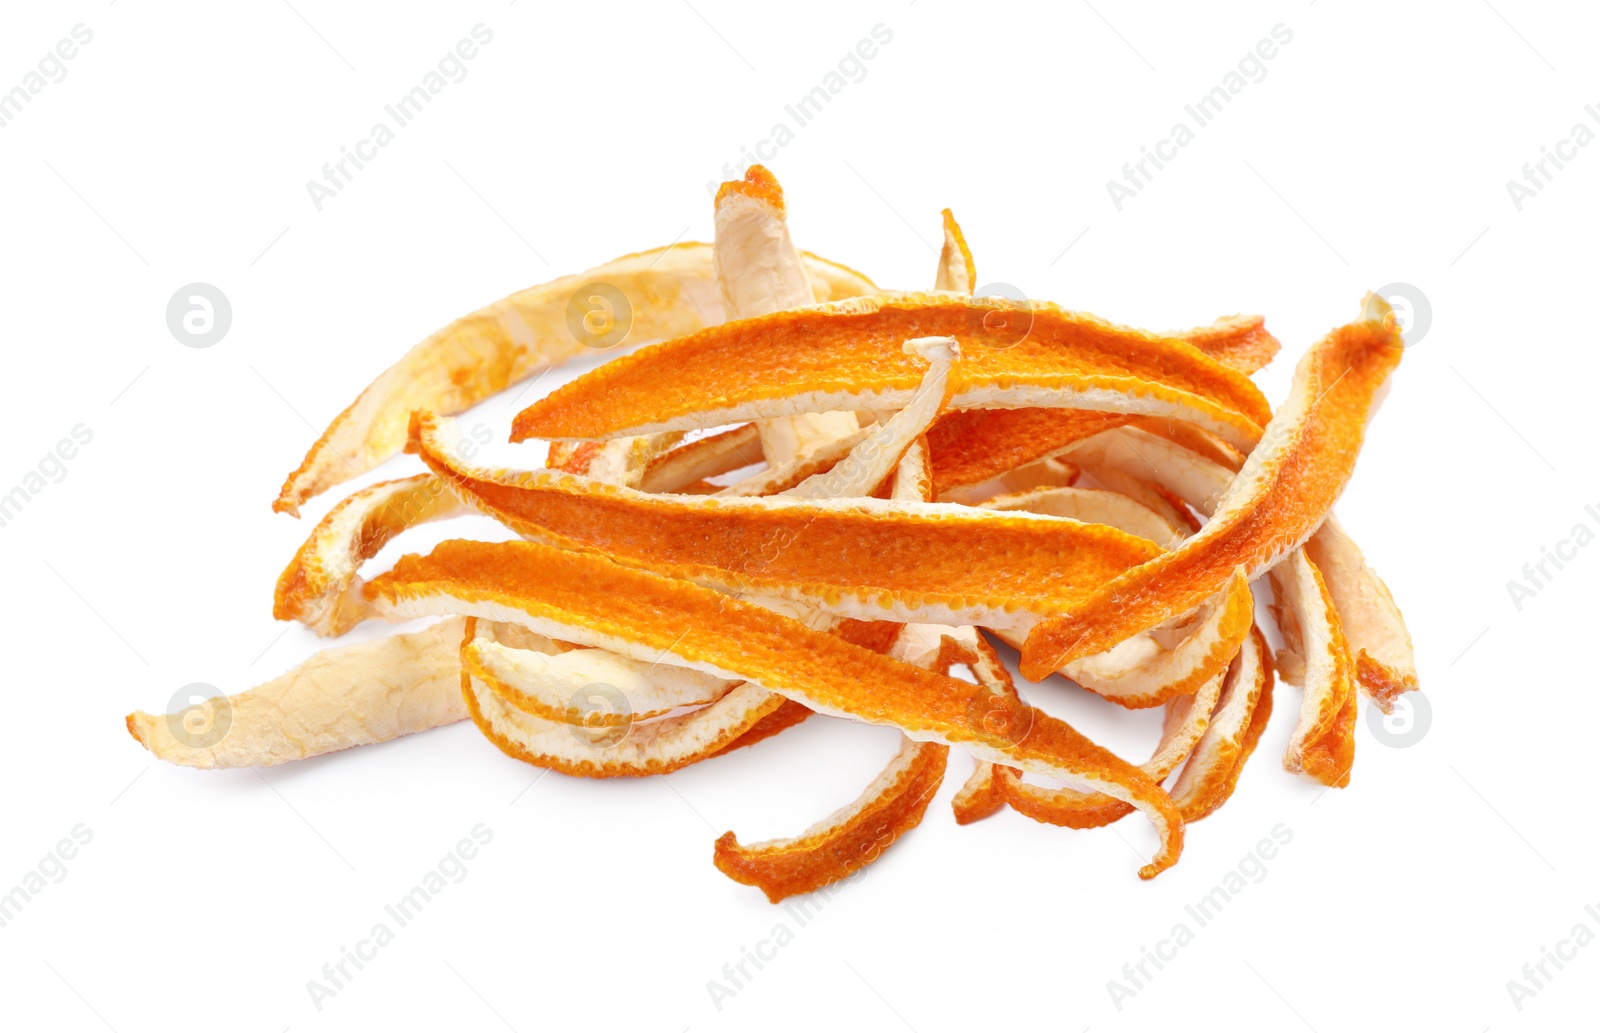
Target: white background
{"points": [[1376, 150]]}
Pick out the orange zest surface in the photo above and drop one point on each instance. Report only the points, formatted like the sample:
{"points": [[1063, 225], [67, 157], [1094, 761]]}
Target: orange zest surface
{"points": [[843, 355], [863, 558], [847, 840], [1275, 502], [589, 600], [973, 445]]}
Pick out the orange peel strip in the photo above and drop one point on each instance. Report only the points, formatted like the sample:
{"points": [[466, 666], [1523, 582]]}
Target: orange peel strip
{"points": [[671, 291], [1095, 506], [976, 444], [1373, 626], [956, 271], [1212, 772], [1046, 473], [1322, 745], [1187, 720], [544, 684], [1275, 502], [759, 271], [710, 456], [649, 748], [1145, 672], [841, 355], [321, 586], [346, 696], [871, 462], [853, 836], [981, 795], [780, 478], [864, 558], [1175, 660], [847, 840], [1386, 666], [589, 600]]}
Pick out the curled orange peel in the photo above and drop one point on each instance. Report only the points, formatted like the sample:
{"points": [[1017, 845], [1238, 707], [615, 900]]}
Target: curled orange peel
{"points": [[853, 836], [649, 748], [589, 600], [671, 291], [956, 270], [843, 355], [1198, 474], [847, 840], [1187, 719], [1171, 661], [321, 586], [354, 695], [1143, 671], [1276, 501], [550, 685], [981, 795], [1386, 665], [1212, 771], [863, 558], [1322, 744]]}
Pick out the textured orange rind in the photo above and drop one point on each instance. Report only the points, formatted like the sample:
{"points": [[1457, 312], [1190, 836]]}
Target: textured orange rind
{"points": [[842, 355], [1275, 502], [863, 558], [589, 600]]}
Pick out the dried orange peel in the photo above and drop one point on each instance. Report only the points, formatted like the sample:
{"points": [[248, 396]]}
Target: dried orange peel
{"points": [[1212, 771], [1386, 665], [864, 558], [589, 600], [816, 496], [1275, 502], [1322, 745], [840, 355], [853, 836], [321, 587], [974, 445], [353, 695], [759, 271], [847, 840], [670, 290]]}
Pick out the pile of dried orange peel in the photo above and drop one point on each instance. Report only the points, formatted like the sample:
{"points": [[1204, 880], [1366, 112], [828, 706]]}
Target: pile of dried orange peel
{"points": [[818, 497]]}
